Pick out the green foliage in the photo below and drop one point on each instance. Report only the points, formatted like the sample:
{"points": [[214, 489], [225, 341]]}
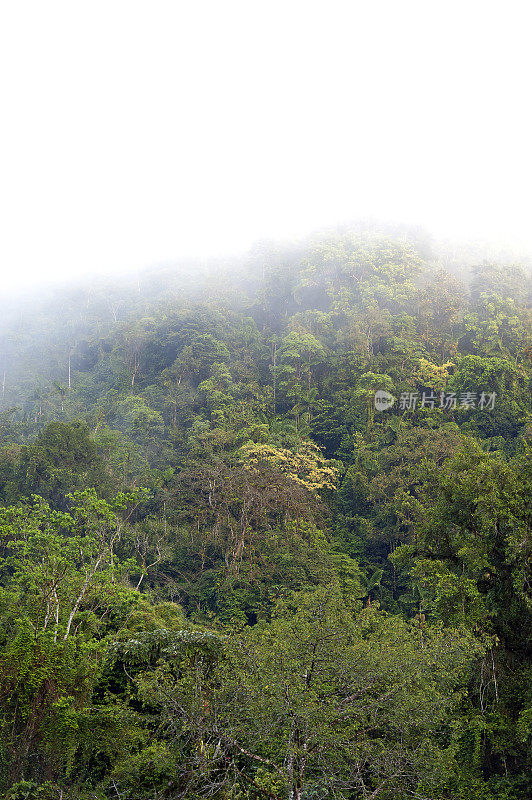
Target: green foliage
{"points": [[311, 598]]}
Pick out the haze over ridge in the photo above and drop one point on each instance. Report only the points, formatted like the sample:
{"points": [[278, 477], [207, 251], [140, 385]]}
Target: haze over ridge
{"points": [[136, 135]]}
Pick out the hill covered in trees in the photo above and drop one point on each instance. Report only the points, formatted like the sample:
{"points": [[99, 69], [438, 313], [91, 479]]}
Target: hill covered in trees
{"points": [[227, 571]]}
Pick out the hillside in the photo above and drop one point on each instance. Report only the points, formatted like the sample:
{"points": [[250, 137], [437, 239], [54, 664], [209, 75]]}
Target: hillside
{"points": [[227, 572]]}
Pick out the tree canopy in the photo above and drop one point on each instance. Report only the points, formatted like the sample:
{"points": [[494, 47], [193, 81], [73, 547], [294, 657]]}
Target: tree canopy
{"points": [[228, 571]]}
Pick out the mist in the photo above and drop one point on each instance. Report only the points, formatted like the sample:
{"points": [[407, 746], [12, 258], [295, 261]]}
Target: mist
{"points": [[135, 137]]}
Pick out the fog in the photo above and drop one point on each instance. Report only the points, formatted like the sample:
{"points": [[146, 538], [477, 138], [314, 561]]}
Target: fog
{"points": [[139, 133]]}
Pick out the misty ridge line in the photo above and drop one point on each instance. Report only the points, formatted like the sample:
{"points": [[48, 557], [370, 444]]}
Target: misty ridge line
{"points": [[69, 315], [454, 254]]}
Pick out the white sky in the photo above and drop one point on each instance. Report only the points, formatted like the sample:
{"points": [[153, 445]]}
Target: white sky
{"points": [[136, 132]]}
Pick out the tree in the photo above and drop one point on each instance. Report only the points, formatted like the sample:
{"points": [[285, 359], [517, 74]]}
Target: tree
{"points": [[60, 577], [315, 701], [367, 385], [298, 354]]}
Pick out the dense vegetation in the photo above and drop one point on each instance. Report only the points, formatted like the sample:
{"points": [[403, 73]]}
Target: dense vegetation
{"points": [[225, 574]]}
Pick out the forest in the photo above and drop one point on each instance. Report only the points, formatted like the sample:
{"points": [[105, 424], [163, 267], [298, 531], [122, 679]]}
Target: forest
{"points": [[227, 571]]}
